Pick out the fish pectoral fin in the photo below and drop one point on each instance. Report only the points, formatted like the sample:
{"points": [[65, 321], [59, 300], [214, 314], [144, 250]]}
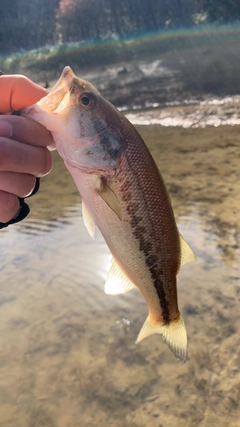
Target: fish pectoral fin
{"points": [[117, 283], [88, 220], [174, 334], [108, 195], [187, 254]]}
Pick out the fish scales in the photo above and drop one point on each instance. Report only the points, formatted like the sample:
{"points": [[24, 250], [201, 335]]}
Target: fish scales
{"points": [[124, 195], [150, 216]]}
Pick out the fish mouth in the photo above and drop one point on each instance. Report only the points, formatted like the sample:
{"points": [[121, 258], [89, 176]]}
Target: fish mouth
{"points": [[57, 97]]}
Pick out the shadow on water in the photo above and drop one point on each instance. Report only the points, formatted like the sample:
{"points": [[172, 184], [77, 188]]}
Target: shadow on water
{"points": [[67, 352]]}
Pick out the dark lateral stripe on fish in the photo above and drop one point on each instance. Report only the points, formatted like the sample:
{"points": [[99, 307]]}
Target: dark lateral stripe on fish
{"points": [[151, 260], [145, 246], [161, 293]]}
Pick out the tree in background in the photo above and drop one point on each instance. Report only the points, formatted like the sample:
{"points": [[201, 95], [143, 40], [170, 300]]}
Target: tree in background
{"points": [[31, 24], [26, 24], [80, 19], [222, 10]]}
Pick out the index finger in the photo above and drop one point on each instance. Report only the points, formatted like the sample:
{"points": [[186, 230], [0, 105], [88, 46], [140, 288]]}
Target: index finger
{"points": [[18, 92]]}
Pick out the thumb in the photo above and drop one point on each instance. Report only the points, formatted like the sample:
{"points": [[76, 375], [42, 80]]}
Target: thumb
{"points": [[18, 92]]}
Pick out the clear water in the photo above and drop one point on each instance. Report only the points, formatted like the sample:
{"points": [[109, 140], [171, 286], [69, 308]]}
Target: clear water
{"points": [[67, 352]]}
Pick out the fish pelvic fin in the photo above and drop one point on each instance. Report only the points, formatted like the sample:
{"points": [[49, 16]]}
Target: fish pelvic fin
{"points": [[117, 283], [88, 220], [187, 254], [109, 197], [174, 334]]}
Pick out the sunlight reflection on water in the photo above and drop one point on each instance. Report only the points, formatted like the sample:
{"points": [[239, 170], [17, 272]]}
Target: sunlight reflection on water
{"points": [[189, 113]]}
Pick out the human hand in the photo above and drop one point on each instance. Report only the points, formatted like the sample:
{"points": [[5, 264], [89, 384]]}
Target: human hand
{"points": [[23, 144]]}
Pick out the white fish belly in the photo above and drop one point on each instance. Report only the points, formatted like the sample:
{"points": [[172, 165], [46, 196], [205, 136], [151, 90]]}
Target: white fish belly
{"points": [[119, 237]]}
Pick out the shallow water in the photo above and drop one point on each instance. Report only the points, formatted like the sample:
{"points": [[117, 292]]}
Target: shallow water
{"points": [[67, 352]]}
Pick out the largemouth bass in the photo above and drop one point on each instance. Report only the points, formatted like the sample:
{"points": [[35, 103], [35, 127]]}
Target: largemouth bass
{"points": [[124, 195]]}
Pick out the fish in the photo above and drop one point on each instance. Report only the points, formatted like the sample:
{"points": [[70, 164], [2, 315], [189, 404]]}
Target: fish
{"points": [[124, 195]]}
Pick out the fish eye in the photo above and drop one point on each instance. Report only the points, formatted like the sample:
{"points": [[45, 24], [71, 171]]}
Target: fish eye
{"points": [[86, 100]]}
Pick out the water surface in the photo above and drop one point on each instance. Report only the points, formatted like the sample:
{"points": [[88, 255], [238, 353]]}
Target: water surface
{"points": [[67, 352]]}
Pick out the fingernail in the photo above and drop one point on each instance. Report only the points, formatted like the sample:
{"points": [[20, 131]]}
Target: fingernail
{"points": [[6, 129]]}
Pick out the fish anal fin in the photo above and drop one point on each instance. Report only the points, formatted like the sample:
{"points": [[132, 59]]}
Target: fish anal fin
{"points": [[187, 254], [88, 220], [117, 283], [174, 334], [109, 197]]}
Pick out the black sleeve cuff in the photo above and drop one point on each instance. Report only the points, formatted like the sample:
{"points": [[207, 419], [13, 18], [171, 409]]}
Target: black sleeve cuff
{"points": [[24, 208]]}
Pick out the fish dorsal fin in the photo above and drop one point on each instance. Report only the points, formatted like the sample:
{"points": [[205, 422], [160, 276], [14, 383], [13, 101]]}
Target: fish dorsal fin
{"points": [[174, 334], [117, 283], [108, 195], [187, 254], [88, 220]]}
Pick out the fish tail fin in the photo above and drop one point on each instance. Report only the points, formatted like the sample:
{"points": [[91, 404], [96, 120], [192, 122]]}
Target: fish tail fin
{"points": [[174, 334]]}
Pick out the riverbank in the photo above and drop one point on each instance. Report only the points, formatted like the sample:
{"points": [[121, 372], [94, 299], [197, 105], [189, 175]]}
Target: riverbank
{"points": [[175, 68]]}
